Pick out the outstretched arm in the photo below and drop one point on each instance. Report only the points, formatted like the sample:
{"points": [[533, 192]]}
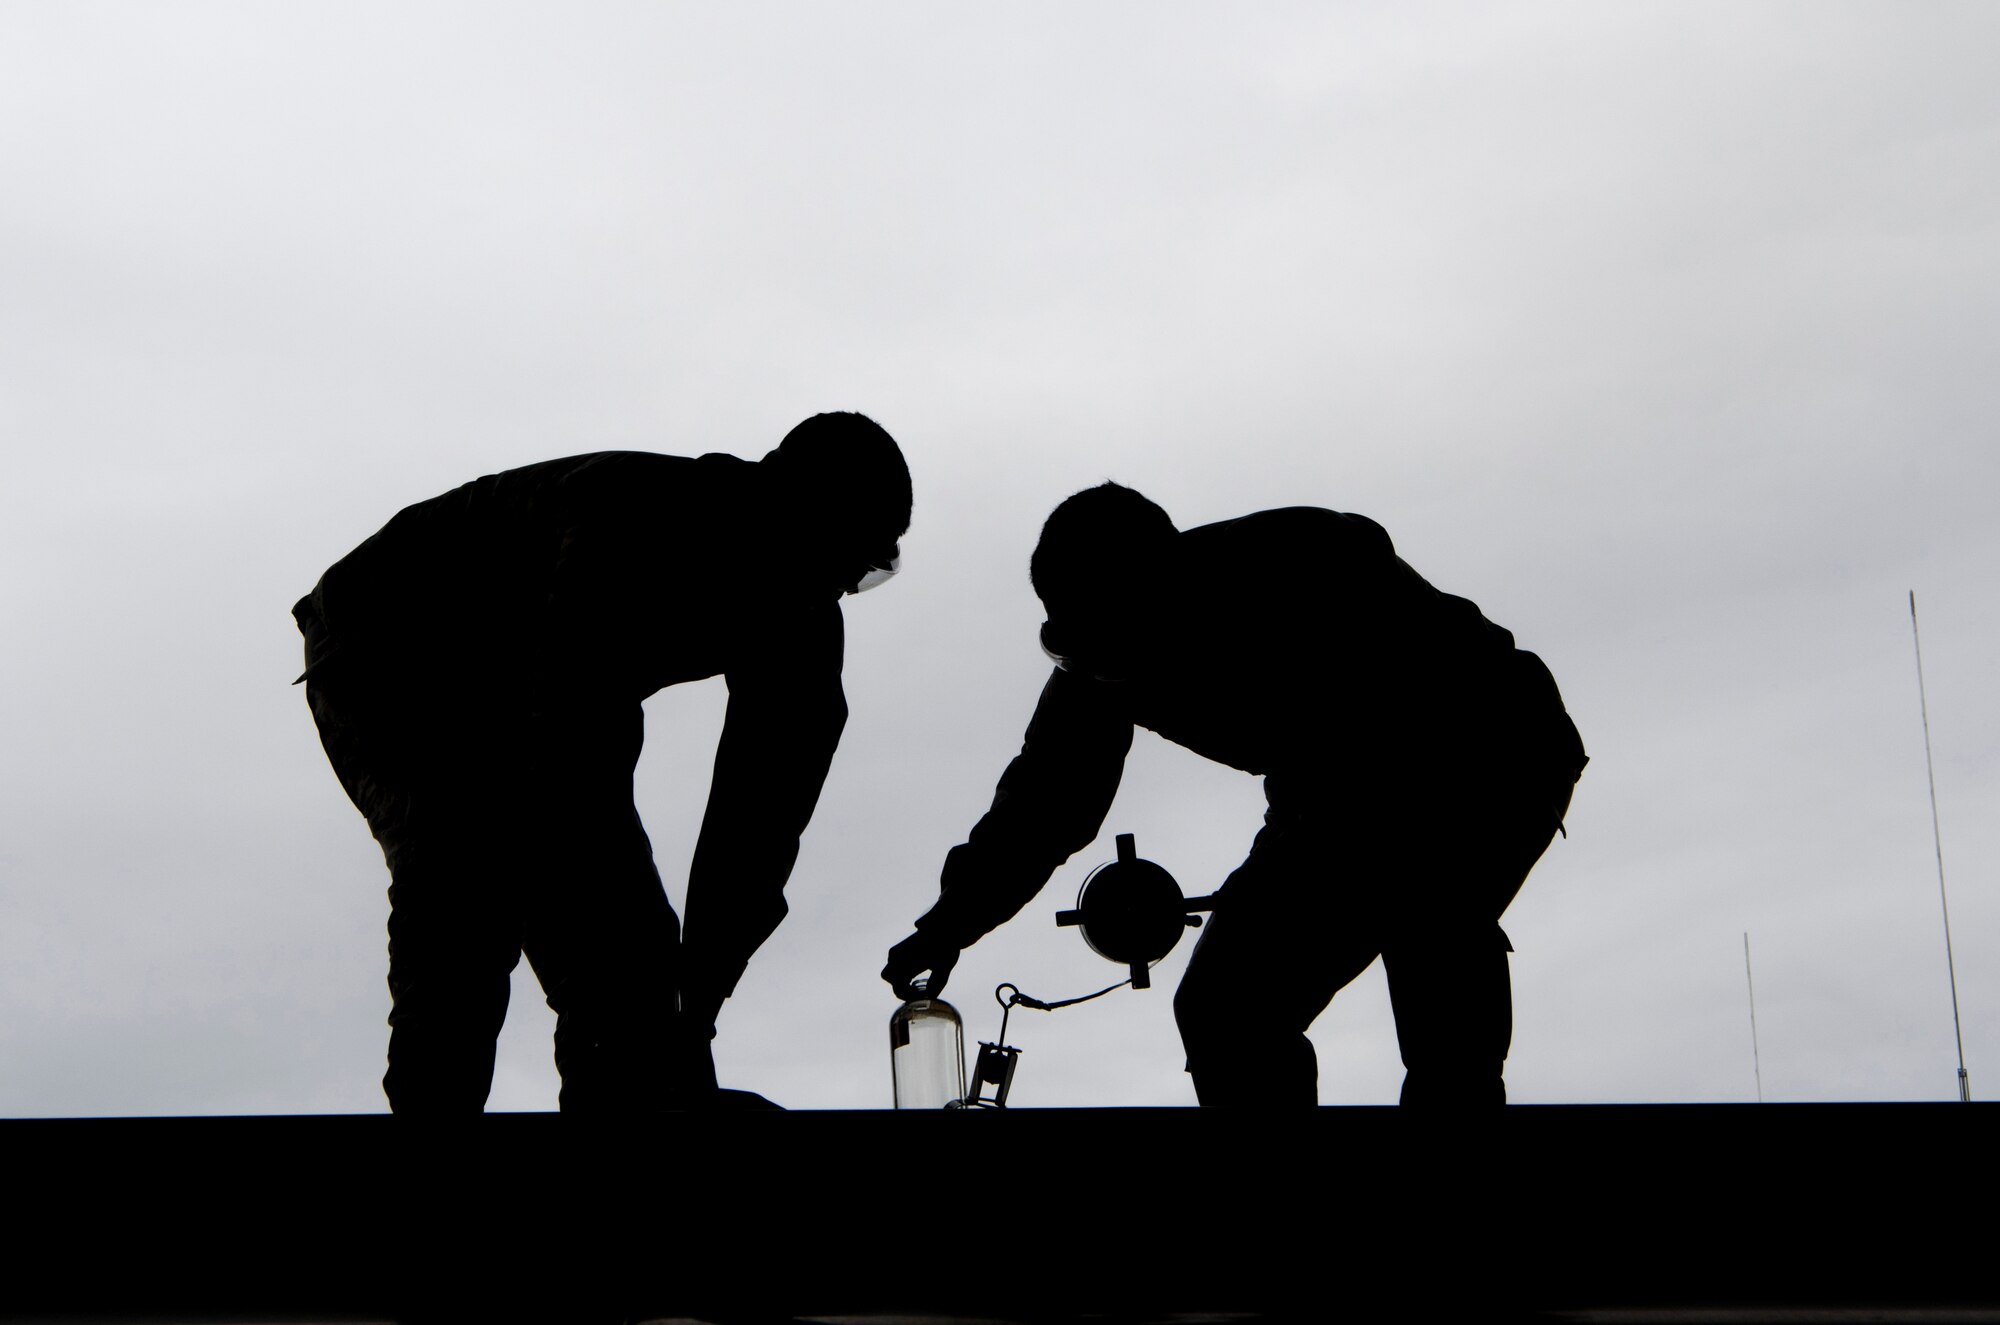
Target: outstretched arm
{"points": [[785, 715], [1049, 805]]}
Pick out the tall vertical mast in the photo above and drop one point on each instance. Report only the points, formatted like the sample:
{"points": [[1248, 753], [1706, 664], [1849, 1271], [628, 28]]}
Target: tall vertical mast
{"points": [[1937, 838], [1756, 1059]]}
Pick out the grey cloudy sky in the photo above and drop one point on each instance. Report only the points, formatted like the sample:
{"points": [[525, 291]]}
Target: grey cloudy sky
{"points": [[1665, 332]]}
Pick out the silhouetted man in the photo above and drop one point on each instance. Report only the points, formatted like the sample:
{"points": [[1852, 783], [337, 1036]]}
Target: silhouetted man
{"points": [[476, 670], [1415, 762]]}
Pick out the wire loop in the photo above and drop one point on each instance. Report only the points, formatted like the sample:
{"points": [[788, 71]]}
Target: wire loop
{"points": [[1018, 999]]}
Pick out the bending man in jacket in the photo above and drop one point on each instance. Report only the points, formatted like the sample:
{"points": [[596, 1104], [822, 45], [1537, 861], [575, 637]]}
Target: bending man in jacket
{"points": [[475, 670], [1416, 765]]}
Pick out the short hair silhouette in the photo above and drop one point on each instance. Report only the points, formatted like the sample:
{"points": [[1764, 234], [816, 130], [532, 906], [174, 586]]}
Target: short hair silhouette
{"points": [[847, 459], [1093, 540]]}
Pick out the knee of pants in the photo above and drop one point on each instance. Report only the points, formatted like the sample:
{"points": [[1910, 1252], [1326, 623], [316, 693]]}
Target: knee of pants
{"points": [[453, 1009], [640, 1022], [433, 965]]}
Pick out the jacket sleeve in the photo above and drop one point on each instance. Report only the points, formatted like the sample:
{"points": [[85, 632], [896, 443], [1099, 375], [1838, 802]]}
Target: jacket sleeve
{"points": [[1049, 805], [785, 715]]}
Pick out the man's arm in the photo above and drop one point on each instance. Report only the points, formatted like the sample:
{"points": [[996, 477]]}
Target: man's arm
{"points": [[786, 711], [1049, 805]]}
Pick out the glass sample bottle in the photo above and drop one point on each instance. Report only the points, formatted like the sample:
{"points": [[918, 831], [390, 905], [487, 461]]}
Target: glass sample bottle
{"points": [[927, 1054]]}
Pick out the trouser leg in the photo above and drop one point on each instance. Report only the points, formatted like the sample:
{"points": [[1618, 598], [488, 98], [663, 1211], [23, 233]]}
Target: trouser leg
{"points": [[1445, 953], [1454, 1015], [605, 944], [453, 946], [602, 937], [440, 803], [1277, 949]]}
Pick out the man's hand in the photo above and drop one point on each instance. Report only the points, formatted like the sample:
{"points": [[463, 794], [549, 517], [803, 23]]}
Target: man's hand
{"points": [[911, 958]]}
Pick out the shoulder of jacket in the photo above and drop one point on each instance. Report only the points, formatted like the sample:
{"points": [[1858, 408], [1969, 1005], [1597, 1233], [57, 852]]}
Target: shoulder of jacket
{"points": [[1301, 525]]}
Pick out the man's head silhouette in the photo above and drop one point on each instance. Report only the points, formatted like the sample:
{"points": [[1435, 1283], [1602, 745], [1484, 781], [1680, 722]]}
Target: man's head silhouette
{"points": [[1101, 569], [848, 491]]}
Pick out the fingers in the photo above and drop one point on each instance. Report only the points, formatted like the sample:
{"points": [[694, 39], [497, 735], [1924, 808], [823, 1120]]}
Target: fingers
{"points": [[941, 963], [906, 979], [911, 959], [905, 963]]}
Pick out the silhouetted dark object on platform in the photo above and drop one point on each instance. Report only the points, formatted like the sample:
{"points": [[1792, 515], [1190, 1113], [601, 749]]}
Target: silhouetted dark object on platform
{"points": [[999, 1060], [476, 670], [1131, 911], [1415, 762], [926, 1054]]}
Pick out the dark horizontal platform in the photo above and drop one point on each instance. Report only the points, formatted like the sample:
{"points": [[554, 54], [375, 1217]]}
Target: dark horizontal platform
{"points": [[1875, 1211]]}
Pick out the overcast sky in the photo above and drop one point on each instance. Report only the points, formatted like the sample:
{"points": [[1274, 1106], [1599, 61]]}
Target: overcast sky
{"points": [[1667, 333]]}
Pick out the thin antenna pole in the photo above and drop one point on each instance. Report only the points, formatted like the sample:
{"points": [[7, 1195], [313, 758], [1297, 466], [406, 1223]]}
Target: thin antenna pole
{"points": [[1951, 968], [1756, 1059]]}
